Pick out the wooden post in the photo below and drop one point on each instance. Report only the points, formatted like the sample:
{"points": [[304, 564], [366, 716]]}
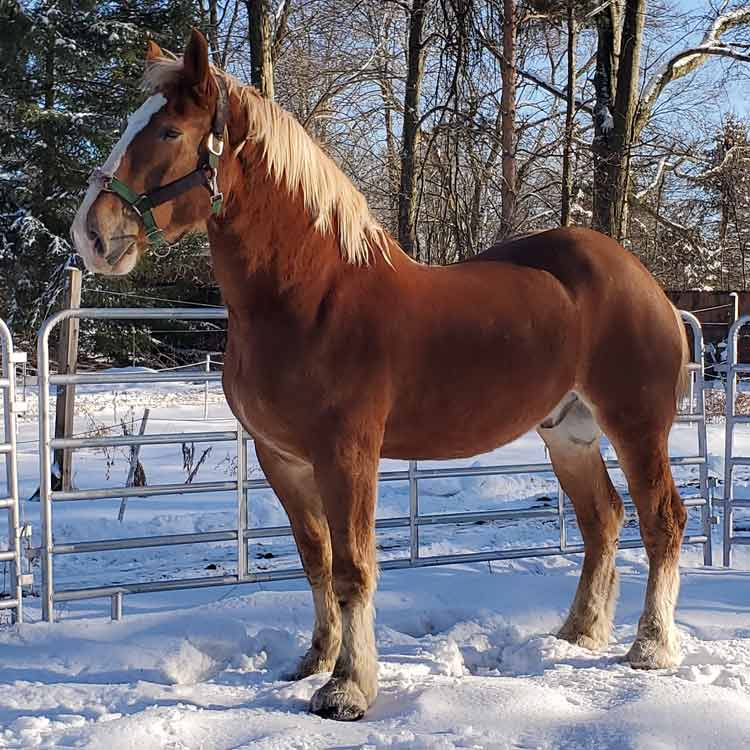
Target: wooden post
{"points": [[67, 358]]}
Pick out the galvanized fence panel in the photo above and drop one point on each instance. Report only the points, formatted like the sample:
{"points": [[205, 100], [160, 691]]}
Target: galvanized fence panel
{"points": [[734, 371], [9, 494], [243, 534]]}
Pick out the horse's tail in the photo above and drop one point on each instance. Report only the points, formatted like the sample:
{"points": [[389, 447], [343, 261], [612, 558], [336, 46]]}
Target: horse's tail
{"points": [[682, 386]]}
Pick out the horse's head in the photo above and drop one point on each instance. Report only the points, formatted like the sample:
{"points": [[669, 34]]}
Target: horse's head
{"points": [[160, 181]]}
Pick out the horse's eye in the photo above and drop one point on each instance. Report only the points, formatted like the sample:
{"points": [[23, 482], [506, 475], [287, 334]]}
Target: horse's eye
{"points": [[169, 134]]}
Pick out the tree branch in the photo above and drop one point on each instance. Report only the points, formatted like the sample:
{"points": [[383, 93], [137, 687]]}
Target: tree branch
{"points": [[686, 233], [691, 59], [534, 78], [714, 171]]}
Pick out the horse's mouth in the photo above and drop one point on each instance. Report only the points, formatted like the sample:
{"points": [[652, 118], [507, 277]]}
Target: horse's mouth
{"points": [[128, 248]]}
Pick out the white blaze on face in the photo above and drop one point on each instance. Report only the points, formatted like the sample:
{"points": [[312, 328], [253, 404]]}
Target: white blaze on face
{"points": [[136, 122]]}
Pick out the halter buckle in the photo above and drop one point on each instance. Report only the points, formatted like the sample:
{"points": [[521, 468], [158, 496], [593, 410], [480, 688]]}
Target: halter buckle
{"points": [[98, 176], [211, 144], [216, 200]]}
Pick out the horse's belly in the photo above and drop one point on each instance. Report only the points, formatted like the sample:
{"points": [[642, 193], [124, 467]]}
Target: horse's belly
{"points": [[463, 427]]}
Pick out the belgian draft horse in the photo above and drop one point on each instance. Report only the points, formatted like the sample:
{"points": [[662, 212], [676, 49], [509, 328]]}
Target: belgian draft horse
{"points": [[342, 350]]}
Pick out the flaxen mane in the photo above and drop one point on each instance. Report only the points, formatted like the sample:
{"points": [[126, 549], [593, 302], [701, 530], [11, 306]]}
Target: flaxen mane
{"points": [[293, 157]]}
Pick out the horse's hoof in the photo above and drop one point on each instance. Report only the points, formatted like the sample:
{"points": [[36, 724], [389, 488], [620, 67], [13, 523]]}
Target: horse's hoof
{"points": [[339, 699], [584, 640], [649, 654], [311, 663]]}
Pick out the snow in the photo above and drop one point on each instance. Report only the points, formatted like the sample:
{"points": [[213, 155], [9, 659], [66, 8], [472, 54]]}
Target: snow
{"points": [[467, 658]]}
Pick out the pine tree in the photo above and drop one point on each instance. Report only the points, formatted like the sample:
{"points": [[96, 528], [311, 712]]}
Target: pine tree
{"points": [[69, 75]]}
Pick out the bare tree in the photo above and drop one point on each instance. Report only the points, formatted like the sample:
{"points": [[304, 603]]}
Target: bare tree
{"points": [[260, 35], [570, 112], [508, 105], [410, 135]]}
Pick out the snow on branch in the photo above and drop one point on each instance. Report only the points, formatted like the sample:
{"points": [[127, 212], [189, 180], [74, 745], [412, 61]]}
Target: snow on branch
{"points": [[691, 59], [737, 152], [734, 153], [689, 235], [642, 194]]}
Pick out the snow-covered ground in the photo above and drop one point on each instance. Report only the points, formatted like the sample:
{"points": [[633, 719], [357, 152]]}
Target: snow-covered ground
{"points": [[467, 659]]}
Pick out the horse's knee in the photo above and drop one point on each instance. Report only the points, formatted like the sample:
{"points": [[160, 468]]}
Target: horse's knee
{"points": [[354, 585]]}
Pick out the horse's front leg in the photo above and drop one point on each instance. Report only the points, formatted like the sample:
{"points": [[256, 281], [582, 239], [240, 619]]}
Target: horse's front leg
{"points": [[294, 484], [347, 477]]}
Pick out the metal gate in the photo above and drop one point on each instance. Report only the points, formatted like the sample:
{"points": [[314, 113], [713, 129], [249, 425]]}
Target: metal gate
{"points": [[733, 372], [9, 493], [242, 535]]}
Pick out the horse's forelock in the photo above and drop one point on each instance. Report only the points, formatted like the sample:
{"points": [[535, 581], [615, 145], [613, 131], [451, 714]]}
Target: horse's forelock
{"points": [[160, 73]]}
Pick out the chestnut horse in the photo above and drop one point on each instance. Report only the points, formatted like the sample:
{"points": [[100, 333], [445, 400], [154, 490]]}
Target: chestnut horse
{"points": [[342, 350]]}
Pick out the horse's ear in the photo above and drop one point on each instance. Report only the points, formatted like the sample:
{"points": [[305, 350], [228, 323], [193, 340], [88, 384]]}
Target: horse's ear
{"points": [[153, 51], [195, 63]]}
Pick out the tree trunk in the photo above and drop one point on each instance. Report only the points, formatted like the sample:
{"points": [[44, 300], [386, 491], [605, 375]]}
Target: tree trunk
{"points": [[570, 106], [213, 30], [607, 23], [626, 103], [391, 141], [407, 197], [508, 107], [260, 36], [613, 143]]}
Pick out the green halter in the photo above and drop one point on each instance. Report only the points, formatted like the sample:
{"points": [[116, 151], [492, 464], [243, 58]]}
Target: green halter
{"points": [[205, 174]]}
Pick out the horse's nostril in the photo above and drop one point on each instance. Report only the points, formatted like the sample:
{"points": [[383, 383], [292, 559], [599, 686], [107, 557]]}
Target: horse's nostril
{"points": [[98, 246]]}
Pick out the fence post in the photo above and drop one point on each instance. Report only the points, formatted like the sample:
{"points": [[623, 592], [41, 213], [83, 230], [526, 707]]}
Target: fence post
{"points": [[413, 512], [734, 306], [116, 606], [561, 517], [242, 551], [67, 357], [8, 360], [729, 411], [205, 388]]}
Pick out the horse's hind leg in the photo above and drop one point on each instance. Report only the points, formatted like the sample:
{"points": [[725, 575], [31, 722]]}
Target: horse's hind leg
{"points": [[572, 437], [294, 483], [644, 457]]}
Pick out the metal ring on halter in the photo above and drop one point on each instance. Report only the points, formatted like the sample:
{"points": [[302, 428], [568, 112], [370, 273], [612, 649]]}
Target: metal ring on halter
{"points": [[211, 145], [160, 249]]}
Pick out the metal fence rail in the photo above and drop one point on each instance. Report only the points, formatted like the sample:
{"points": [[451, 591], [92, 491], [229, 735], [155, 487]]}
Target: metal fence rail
{"points": [[733, 371], [243, 534], [9, 494]]}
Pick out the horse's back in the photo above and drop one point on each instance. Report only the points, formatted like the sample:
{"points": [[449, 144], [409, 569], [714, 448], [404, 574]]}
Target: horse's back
{"points": [[578, 257], [499, 340]]}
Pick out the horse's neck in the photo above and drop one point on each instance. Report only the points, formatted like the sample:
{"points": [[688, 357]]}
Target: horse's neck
{"points": [[265, 250]]}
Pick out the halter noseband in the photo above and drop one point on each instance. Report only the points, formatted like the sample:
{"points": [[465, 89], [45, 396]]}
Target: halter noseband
{"points": [[205, 174]]}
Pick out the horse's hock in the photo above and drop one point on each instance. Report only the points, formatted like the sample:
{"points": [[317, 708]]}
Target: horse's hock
{"points": [[243, 534]]}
